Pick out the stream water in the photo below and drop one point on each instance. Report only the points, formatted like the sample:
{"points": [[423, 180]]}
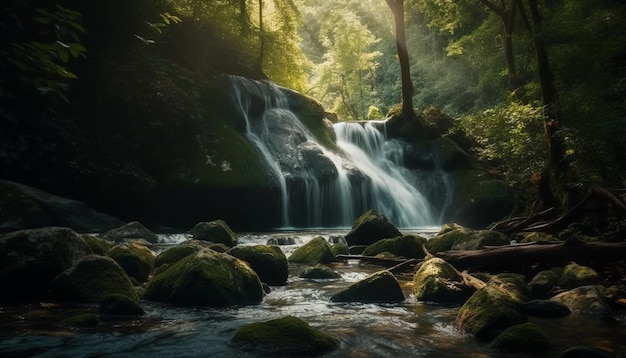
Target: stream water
{"points": [[408, 329]]}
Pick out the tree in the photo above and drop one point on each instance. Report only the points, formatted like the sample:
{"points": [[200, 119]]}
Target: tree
{"points": [[397, 8]]}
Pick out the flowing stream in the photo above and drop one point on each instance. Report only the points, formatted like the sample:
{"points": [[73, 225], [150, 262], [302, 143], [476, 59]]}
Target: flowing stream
{"points": [[323, 188], [407, 329]]}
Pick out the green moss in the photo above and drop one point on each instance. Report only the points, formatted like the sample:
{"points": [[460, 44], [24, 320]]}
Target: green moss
{"points": [[575, 275], [437, 281], [409, 246], [216, 231], [269, 262], [288, 336], [98, 245], [445, 241], [340, 249], [316, 251], [525, 337], [174, 254], [381, 287], [85, 320], [544, 282], [137, 260]]}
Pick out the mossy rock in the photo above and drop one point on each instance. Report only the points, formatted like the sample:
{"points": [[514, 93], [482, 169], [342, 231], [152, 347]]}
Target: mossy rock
{"points": [[120, 305], [174, 254], [131, 231], [287, 336], [269, 262], [514, 283], [84, 320], [316, 251], [478, 239], [216, 231], [340, 249], [524, 338], [446, 239], [36, 257], [137, 260], [206, 278], [371, 227], [588, 301], [409, 246], [320, 272], [544, 282], [575, 275], [92, 279], [381, 287], [491, 310], [438, 281], [98, 245]]}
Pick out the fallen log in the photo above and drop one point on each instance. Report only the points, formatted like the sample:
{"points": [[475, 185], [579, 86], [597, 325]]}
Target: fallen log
{"points": [[523, 258]]}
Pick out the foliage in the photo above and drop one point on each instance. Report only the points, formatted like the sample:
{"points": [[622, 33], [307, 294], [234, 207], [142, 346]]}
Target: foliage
{"points": [[41, 60]]}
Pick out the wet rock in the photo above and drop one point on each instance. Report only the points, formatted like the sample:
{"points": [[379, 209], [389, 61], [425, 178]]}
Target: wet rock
{"points": [[316, 251], [320, 272], [445, 239], [515, 283], [131, 231], [547, 309], [586, 352], [409, 246], [120, 305], [340, 249], [25, 207], [206, 278], [282, 241], [588, 301], [92, 279], [381, 287], [437, 281], [98, 244], [31, 259], [525, 337], [575, 275], [136, 260], [491, 310], [544, 282], [287, 336], [216, 231], [371, 227], [269, 262]]}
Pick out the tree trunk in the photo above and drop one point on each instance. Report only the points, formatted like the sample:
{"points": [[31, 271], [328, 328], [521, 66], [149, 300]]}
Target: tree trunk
{"points": [[397, 8]]}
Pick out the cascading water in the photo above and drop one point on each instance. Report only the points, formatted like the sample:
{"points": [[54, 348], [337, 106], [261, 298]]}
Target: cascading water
{"points": [[322, 188]]}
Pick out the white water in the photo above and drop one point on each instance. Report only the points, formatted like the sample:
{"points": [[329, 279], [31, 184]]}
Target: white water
{"points": [[321, 188]]}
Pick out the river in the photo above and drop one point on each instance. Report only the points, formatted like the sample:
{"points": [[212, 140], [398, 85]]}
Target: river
{"points": [[408, 329]]}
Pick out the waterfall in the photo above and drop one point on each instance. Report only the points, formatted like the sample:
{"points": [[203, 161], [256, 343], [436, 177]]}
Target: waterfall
{"points": [[320, 187]]}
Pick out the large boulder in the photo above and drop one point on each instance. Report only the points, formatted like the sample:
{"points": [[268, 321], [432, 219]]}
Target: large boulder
{"points": [[381, 287], [522, 338], [491, 310], [92, 279], [320, 272], [371, 227], [408, 246], [316, 251], [137, 260], [544, 282], [269, 262], [287, 336], [588, 301], [446, 238], [25, 207], [575, 275], [98, 244], [31, 259], [131, 232], [216, 231], [206, 278], [438, 281]]}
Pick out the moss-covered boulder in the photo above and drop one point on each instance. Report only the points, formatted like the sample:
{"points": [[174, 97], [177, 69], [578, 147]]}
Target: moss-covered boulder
{"points": [[24, 207], [340, 249], [437, 281], [216, 231], [478, 239], [408, 246], [287, 336], [206, 278], [381, 287], [31, 259], [522, 338], [320, 272], [588, 301], [119, 305], [137, 260], [98, 244], [269, 262], [131, 232], [371, 227], [92, 279], [544, 282], [575, 275], [316, 251], [174, 254], [516, 284], [445, 239], [491, 310]]}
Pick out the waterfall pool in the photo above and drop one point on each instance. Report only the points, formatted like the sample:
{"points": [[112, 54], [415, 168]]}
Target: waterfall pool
{"points": [[408, 329]]}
